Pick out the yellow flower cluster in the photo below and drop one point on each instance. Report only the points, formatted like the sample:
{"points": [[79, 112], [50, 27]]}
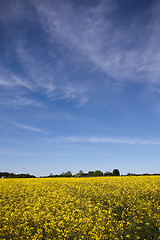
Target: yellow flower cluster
{"points": [[81, 208]]}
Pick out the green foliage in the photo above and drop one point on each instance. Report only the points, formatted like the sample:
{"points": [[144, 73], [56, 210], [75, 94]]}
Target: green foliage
{"points": [[13, 175], [66, 174], [116, 172], [95, 173]]}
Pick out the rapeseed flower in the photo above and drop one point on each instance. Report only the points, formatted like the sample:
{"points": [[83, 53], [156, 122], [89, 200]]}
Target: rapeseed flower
{"points": [[82, 208]]}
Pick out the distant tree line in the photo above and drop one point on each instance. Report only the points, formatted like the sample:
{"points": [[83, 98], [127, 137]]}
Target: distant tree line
{"points": [[96, 173], [13, 175]]}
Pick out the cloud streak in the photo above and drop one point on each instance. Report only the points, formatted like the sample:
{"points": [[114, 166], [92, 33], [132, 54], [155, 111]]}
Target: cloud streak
{"points": [[10, 80], [40, 77], [105, 140], [30, 128], [18, 100]]}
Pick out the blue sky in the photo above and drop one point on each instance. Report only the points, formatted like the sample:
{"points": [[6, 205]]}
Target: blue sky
{"points": [[79, 86]]}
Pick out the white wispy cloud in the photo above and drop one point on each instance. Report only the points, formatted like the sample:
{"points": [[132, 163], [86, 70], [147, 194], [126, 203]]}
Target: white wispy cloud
{"points": [[11, 80], [42, 77], [20, 10], [14, 90], [18, 100], [120, 51], [92, 36], [11, 152], [39, 74], [105, 140], [30, 128]]}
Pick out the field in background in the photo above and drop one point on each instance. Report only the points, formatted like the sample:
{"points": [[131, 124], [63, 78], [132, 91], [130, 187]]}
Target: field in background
{"points": [[81, 208]]}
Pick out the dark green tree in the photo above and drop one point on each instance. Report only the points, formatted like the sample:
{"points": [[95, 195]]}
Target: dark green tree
{"points": [[66, 174], [95, 173], [98, 173], [108, 174], [116, 172]]}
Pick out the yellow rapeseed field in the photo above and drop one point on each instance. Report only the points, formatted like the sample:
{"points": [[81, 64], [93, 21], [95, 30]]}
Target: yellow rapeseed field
{"points": [[81, 208]]}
